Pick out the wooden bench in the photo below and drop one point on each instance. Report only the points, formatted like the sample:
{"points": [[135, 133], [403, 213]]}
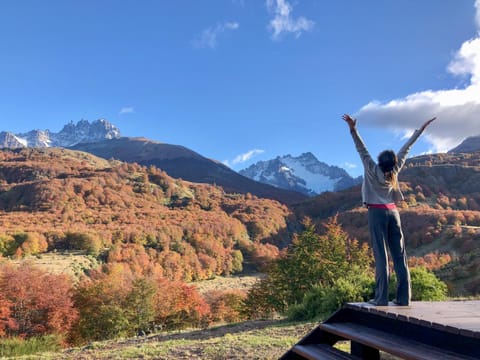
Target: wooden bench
{"points": [[402, 347]]}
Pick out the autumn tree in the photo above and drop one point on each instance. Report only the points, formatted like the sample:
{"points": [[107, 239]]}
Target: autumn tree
{"points": [[6, 320], [101, 312], [179, 305], [119, 302], [140, 302], [29, 243], [89, 242], [34, 302], [226, 305]]}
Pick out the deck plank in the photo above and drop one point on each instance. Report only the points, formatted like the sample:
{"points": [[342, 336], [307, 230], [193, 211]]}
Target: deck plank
{"points": [[460, 317], [392, 344]]}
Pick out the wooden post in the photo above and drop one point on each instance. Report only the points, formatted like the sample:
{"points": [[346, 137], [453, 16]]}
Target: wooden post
{"points": [[364, 351]]}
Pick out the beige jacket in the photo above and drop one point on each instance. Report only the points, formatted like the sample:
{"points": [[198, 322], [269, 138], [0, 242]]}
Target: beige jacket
{"points": [[375, 190]]}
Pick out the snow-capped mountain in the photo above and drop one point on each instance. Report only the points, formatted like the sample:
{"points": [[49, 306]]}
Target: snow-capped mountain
{"points": [[305, 174], [70, 135], [9, 140]]}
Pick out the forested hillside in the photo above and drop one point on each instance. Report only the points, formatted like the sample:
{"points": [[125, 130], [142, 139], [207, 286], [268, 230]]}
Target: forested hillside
{"points": [[181, 162], [56, 199]]}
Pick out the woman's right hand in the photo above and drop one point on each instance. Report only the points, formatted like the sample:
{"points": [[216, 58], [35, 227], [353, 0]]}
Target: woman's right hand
{"points": [[428, 122], [350, 121]]}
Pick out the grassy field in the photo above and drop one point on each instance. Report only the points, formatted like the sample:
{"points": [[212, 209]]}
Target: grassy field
{"points": [[71, 263], [267, 339], [244, 282]]}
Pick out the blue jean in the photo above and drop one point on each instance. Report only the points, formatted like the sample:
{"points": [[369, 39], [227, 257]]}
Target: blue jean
{"points": [[386, 230]]}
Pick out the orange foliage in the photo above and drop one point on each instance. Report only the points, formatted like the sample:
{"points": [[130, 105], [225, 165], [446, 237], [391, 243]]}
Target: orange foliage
{"points": [[6, 321], [226, 305], [430, 261], [179, 305], [191, 230], [34, 302], [108, 300]]}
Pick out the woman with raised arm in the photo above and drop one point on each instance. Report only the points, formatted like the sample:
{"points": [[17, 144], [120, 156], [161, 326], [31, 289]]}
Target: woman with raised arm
{"points": [[380, 192]]}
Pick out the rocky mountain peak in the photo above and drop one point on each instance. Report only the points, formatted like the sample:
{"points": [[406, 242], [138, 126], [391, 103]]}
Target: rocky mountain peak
{"points": [[71, 134], [304, 173], [9, 140]]}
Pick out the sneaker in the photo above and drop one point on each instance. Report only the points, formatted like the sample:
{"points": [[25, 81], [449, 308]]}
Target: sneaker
{"points": [[397, 303], [375, 303]]}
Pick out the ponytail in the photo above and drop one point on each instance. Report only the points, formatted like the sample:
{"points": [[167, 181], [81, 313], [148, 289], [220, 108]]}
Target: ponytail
{"points": [[387, 161], [391, 179]]}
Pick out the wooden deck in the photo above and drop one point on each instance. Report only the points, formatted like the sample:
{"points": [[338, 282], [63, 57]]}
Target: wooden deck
{"points": [[456, 317], [422, 331]]}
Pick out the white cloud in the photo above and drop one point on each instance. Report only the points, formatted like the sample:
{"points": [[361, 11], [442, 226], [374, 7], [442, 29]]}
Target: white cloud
{"points": [[283, 22], [240, 159], [457, 110], [208, 37], [350, 165], [127, 110]]}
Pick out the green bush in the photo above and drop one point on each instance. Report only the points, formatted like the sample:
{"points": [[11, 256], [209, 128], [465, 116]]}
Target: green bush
{"points": [[91, 243], [24, 243], [425, 286], [13, 347], [110, 321], [310, 261], [237, 261], [322, 301], [8, 245], [140, 305]]}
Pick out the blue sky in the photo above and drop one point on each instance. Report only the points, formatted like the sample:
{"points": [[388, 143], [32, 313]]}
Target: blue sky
{"points": [[246, 80]]}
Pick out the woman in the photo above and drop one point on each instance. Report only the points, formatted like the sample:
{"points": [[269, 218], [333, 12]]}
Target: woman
{"points": [[380, 191]]}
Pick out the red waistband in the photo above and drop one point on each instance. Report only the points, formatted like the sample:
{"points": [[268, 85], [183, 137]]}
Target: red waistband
{"points": [[390, 206]]}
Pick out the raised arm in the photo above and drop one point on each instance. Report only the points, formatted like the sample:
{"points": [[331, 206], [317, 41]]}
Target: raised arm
{"points": [[402, 154], [426, 123], [367, 160]]}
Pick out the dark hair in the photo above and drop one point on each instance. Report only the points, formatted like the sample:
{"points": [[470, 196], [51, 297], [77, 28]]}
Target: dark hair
{"points": [[387, 160]]}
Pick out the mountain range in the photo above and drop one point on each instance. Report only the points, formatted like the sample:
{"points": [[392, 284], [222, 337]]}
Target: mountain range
{"points": [[103, 139], [287, 178], [304, 173], [70, 135], [181, 162]]}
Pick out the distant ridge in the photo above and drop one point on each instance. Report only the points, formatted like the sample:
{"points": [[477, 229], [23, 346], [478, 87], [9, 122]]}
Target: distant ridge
{"points": [[470, 144], [181, 162]]}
